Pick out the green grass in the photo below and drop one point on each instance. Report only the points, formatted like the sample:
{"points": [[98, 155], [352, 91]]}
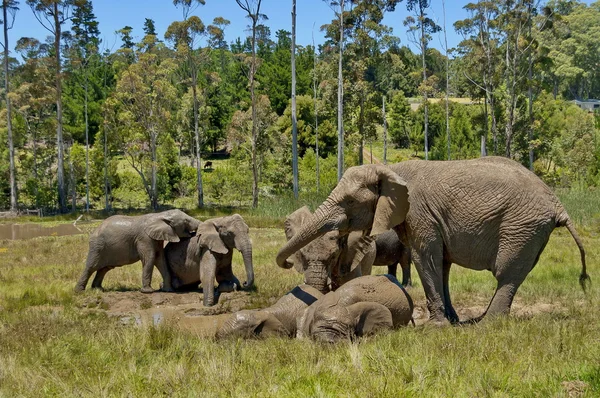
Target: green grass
{"points": [[56, 343]]}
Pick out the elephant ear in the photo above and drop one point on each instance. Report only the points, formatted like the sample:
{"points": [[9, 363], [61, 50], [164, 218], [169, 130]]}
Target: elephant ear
{"points": [[158, 228], [292, 224], [370, 317], [392, 205], [358, 247], [250, 323], [209, 237]]}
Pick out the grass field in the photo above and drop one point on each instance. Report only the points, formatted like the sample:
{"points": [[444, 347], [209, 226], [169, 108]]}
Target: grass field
{"points": [[56, 343]]}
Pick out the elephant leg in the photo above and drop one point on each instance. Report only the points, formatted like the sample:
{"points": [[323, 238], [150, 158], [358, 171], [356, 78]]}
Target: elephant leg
{"points": [[208, 266], [429, 264], [161, 264], [92, 265], [405, 265], [393, 269], [148, 260], [97, 282], [449, 309]]}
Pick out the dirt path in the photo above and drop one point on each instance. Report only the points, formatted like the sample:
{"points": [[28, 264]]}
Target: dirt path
{"points": [[367, 157]]}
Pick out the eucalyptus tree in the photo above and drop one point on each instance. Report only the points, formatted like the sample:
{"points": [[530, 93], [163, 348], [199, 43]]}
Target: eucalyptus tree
{"points": [[425, 26], [9, 7], [185, 35], [252, 9], [294, 120], [52, 14]]}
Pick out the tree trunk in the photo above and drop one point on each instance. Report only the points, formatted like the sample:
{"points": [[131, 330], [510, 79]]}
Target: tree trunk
{"points": [[341, 98], [425, 104], [294, 121], [11, 147], [73, 182], [254, 132], [197, 138], [62, 195], [316, 117], [384, 133], [87, 147], [447, 81], [530, 97], [485, 128], [153, 193], [106, 202], [361, 130]]}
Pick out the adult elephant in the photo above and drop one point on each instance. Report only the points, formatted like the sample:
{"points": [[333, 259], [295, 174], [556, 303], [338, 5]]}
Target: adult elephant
{"points": [[122, 240], [484, 214], [331, 259], [362, 306], [207, 257]]}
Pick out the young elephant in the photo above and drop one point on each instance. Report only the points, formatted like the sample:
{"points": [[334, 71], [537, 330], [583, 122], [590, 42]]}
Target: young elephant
{"points": [[390, 252], [331, 258], [207, 257], [280, 319], [122, 240], [361, 307]]}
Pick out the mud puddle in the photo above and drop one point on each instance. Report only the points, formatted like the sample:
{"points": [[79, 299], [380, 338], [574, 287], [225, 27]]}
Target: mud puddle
{"points": [[28, 231], [181, 310]]}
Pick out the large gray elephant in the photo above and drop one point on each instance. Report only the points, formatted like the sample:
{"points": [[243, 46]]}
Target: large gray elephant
{"points": [[391, 252], [331, 259], [207, 257], [280, 319], [362, 306], [484, 214], [122, 240]]}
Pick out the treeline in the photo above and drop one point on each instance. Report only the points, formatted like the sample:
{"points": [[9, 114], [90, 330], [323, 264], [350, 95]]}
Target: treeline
{"points": [[131, 127]]}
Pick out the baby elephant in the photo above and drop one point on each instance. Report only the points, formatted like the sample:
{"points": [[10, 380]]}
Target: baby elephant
{"points": [[360, 307], [391, 252], [280, 319], [122, 240], [207, 256]]}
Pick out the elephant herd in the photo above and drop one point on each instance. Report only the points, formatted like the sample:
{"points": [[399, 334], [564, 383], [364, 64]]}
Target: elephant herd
{"points": [[484, 214]]}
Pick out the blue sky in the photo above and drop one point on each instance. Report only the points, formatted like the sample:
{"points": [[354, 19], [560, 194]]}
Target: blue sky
{"points": [[115, 14]]}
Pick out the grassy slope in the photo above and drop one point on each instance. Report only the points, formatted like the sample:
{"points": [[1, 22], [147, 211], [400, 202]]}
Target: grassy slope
{"points": [[53, 343]]}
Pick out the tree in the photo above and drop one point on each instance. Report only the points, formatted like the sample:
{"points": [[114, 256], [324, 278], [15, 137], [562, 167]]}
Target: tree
{"points": [[186, 34], [294, 121], [447, 80], [426, 26], [252, 8], [52, 14], [9, 7]]}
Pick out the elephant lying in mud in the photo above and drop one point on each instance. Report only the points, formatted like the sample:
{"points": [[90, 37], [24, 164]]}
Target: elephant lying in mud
{"points": [[122, 240], [277, 320], [207, 257], [335, 259], [361, 307], [484, 214]]}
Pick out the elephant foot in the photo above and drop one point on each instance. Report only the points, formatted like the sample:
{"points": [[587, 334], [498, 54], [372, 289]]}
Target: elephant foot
{"points": [[78, 289], [167, 289], [147, 290], [228, 287]]}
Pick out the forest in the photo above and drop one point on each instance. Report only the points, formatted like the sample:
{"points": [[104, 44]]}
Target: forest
{"points": [[196, 118]]}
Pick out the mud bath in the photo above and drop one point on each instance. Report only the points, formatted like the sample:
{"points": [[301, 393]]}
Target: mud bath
{"points": [[182, 310], [28, 231]]}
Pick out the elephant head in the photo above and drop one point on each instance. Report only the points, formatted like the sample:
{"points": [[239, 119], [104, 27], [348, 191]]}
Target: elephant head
{"points": [[171, 225], [251, 323], [222, 234], [367, 198]]}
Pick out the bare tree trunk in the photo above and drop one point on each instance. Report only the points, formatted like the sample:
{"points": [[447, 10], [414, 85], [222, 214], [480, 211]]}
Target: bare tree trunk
{"points": [[384, 133], [72, 181], [11, 146], [106, 202], [425, 104], [341, 98], [361, 130], [316, 117], [153, 193], [447, 80], [294, 121], [62, 196], [530, 97], [485, 128], [87, 147]]}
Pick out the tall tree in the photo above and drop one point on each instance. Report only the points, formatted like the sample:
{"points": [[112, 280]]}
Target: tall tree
{"points": [[294, 121], [425, 26], [186, 35], [52, 14], [252, 9], [447, 80], [9, 7]]}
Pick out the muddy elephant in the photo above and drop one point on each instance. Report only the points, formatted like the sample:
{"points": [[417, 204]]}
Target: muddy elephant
{"points": [[207, 257], [332, 259], [391, 252], [484, 214], [280, 319], [122, 240], [363, 306]]}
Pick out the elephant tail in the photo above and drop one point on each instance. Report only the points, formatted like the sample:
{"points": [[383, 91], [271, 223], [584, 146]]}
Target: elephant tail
{"points": [[584, 278]]}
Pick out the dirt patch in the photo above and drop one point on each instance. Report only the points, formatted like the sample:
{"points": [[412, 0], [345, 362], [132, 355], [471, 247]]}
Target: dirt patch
{"points": [[574, 388], [182, 310]]}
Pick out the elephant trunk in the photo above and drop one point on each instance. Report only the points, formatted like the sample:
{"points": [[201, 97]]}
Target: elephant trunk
{"points": [[328, 217], [316, 276], [245, 247]]}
